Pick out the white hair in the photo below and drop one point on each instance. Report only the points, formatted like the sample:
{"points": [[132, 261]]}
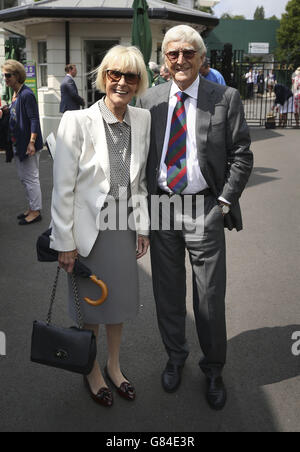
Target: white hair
{"points": [[125, 59], [184, 33], [154, 67]]}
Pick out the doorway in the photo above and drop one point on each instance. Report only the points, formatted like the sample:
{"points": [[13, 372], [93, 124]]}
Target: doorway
{"points": [[95, 52]]}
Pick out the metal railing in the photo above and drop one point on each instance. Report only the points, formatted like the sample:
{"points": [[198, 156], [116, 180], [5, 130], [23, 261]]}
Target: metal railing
{"points": [[259, 99]]}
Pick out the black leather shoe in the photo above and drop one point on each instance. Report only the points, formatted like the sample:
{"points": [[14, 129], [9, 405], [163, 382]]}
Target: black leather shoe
{"points": [[216, 393], [171, 378], [21, 216], [24, 222]]}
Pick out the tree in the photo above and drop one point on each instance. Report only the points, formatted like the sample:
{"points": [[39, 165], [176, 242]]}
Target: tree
{"points": [[239, 17], [273, 18], [205, 9], [228, 16], [288, 36], [259, 13]]}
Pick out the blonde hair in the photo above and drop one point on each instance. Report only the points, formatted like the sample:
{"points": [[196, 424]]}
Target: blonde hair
{"points": [[184, 33], [123, 59], [17, 68]]}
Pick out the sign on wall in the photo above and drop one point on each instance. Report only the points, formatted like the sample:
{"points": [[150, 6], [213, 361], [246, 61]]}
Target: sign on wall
{"points": [[31, 80], [259, 47]]}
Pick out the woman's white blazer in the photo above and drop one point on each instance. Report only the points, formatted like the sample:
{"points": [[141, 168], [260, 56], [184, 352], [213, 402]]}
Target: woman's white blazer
{"points": [[82, 177]]}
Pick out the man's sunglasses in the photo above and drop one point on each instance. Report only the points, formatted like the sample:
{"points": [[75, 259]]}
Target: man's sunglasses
{"points": [[130, 78], [7, 75], [173, 56]]}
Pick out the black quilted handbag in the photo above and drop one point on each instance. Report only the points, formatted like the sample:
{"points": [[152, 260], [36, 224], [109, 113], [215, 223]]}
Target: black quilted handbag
{"points": [[72, 349]]}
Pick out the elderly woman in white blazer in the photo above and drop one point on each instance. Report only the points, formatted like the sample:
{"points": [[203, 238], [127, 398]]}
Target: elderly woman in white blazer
{"points": [[101, 156]]}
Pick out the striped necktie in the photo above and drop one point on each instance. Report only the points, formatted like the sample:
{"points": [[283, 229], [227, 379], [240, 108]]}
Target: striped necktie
{"points": [[176, 154]]}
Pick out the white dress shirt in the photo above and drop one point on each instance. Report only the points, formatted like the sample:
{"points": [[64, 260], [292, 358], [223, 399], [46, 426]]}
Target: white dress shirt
{"points": [[196, 181], [250, 77]]}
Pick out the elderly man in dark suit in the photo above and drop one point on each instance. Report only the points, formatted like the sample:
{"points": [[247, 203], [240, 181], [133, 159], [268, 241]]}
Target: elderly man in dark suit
{"points": [[200, 146], [70, 100]]}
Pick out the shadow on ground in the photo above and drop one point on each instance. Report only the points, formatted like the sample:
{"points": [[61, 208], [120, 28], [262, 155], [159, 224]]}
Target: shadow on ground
{"points": [[259, 134], [262, 175]]}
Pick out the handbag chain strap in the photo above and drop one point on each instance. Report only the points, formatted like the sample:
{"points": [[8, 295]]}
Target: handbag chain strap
{"points": [[76, 297]]}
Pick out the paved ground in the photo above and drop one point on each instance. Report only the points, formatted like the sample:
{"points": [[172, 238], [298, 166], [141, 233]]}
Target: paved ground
{"points": [[262, 307]]}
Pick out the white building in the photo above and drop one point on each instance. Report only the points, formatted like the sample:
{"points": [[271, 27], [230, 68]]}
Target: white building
{"points": [[80, 32]]}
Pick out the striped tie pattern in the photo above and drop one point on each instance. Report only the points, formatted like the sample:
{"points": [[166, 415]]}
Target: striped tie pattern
{"points": [[176, 154]]}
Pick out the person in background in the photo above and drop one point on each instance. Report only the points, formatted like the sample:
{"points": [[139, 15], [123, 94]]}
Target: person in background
{"points": [[26, 138], [211, 74], [255, 77], [250, 83], [165, 73], [261, 83], [70, 99], [157, 78], [296, 92], [270, 82], [283, 103]]}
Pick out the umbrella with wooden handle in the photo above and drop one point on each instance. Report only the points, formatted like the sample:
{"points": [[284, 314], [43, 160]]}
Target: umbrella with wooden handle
{"points": [[103, 286], [46, 254], [82, 270]]}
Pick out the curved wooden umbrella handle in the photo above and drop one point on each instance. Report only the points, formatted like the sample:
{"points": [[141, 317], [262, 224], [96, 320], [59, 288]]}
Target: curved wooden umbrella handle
{"points": [[103, 286]]}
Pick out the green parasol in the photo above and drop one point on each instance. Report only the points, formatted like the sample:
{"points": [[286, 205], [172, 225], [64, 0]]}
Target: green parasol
{"points": [[141, 32]]}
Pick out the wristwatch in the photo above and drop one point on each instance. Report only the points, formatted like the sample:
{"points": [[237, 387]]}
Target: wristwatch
{"points": [[225, 208]]}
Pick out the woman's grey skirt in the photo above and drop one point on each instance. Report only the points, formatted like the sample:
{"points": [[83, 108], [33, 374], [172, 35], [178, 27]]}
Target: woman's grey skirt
{"points": [[113, 260]]}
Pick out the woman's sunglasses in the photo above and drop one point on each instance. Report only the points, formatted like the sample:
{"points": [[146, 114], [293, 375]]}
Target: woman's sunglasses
{"points": [[7, 75], [130, 78], [173, 56]]}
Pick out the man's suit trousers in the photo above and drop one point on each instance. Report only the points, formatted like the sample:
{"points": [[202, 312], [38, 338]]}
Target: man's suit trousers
{"points": [[208, 259]]}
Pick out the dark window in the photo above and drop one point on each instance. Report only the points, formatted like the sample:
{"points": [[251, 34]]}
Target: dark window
{"points": [[4, 4], [42, 64]]}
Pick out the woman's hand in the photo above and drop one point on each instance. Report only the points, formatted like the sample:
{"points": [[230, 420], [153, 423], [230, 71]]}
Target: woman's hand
{"points": [[67, 260], [143, 245], [31, 149]]}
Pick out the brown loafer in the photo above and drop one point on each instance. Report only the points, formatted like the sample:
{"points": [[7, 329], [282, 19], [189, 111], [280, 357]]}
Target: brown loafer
{"points": [[103, 397], [126, 390]]}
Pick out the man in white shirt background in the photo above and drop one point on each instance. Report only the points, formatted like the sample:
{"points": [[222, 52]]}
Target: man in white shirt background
{"points": [[250, 83]]}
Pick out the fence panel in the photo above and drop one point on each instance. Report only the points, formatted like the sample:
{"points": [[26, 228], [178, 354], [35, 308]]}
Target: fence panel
{"points": [[259, 97]]}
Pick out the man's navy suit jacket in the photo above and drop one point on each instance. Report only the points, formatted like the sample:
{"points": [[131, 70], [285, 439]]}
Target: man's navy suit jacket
{"points": [[70, 100]]}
